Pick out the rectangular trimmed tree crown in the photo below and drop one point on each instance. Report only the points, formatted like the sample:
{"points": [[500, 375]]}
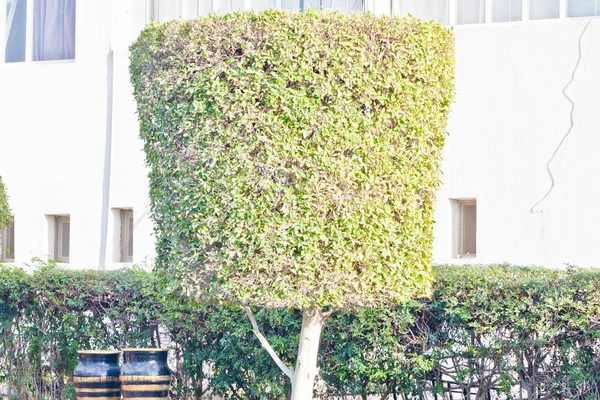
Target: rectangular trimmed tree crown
{"points": [[295, 156]]}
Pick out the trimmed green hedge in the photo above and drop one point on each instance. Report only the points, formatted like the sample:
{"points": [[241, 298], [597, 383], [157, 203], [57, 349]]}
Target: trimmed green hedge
{"points": [[295, 156], [5, 217], [490, 328]]}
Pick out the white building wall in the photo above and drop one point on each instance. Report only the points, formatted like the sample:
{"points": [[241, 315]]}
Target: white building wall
{"points": [[69, 141], [55, 154], [509, 117]]}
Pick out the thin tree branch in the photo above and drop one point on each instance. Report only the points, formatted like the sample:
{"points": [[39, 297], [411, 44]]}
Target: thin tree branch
{"points": [[265, 344]]}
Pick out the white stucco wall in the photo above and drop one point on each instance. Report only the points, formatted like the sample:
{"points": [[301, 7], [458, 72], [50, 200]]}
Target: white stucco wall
{"points": [[508, 119], [53, 135]]}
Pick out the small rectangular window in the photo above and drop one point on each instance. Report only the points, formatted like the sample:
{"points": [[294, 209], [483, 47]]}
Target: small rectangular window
{"points": [[465, 228], [62, 238], [470, 12], [126, 236], [583, 8], [7, 243], [508, 10], [544, 9]]}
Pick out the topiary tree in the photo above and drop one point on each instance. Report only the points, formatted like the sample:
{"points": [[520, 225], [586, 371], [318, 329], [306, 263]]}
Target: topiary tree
{"points": [[294, 159], [5, 213]]}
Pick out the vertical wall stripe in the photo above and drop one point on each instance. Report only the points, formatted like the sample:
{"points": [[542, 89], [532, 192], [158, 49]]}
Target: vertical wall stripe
{"points": [[489, 11], [107, 160], [29, 35], [564, 8], [185, 9], [525, 11], [452, 12]]}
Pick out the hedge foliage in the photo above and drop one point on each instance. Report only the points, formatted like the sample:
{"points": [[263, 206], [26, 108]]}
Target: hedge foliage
{"points": [[294, 156], [490, 329], [5, 214]]}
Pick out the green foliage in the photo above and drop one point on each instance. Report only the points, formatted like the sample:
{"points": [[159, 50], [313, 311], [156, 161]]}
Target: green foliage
{"points": [[374, 352], [294, 156], [45, 317], [5, 214], [487, 327], [504, 326]]}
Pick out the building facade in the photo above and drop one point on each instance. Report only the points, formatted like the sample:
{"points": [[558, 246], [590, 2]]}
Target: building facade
{"points": [[519, 173]]}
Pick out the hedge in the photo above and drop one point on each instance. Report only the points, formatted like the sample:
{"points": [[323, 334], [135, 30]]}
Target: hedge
{"points": [[5, 213], [492, 329], [295, 156]]}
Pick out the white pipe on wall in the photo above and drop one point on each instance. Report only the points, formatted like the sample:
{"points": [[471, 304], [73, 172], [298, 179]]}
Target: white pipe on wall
{"points": [[525, 10], [564, 8], [489, 11], [452, 12]]}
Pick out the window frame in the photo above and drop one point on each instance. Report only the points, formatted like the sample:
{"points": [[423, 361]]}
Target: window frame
{"points": [[59, 221], [483, 12], [4, 256], [217, 6], [596, 10], [29, 21], [562, 4], [510, 10]]}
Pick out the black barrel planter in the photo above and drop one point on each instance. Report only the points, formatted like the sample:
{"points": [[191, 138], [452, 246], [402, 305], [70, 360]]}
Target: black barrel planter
{"points": [[145, 374], [97, 375]]}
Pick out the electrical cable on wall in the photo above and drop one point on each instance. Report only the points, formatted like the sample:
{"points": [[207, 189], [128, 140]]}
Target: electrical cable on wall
{"points": [[571, 120]]}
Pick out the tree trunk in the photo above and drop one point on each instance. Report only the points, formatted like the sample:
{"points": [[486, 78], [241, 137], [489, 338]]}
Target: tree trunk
{"points": [[303, 377], [306, 363]]}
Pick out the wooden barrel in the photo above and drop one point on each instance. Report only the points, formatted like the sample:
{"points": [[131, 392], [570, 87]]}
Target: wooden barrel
{"points": [[145, 374], [97, 375]]}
